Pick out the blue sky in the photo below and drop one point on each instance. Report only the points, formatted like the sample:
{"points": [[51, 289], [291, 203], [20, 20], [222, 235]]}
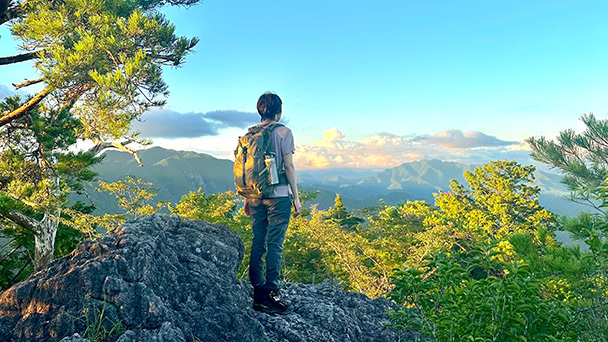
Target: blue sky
{"points": [[375, 84]]}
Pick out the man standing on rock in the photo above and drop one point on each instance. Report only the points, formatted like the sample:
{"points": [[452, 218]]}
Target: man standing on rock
{"points": [[266, 152]]}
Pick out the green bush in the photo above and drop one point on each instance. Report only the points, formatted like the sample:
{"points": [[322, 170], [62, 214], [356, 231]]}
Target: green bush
{"points": [[472, 297]]}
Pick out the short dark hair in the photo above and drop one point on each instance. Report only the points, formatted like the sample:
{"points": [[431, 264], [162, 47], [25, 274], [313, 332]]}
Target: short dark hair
{"points": [[269, 105]]}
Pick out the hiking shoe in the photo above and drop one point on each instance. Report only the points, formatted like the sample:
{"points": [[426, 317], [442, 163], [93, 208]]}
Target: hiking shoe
{"points": [[259, 293], [272, 303], [259, 299]]}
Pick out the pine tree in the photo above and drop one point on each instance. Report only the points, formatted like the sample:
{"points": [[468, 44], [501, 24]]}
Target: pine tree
{"points": [[100, 65], [339, 213], [581, 158]]}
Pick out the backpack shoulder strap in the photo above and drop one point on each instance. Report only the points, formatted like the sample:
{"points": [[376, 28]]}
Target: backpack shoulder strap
{"points": [[254, 129], [274, 125], [269, 127]]}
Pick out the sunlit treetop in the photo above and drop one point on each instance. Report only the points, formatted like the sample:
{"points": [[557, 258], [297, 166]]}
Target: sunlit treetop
{"points": [[103, 59]]}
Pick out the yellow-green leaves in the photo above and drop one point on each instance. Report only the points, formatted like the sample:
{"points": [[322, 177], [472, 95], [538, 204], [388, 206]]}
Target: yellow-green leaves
{"points": [[218, 208], [134, 196], [103, 58], [500, 200]]}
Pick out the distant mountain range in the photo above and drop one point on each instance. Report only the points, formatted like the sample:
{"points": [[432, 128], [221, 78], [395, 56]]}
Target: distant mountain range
{"points": [[419, 180], [175, 173]]}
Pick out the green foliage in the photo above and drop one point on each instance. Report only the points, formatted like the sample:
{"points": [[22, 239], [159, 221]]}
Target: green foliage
{"points": [[108, 55], [16, 254], [500, 200], [495, 272], [581, 158], [447, 301], [36, 170], [341, 253], [411, 231], [217, 208], [100, 327], [101, 65], [134, 196], [339, 213]]}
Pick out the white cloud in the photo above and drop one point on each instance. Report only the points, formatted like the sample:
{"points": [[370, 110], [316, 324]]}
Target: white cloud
{"points": [[382, 150], [233, 118], [387, 150], [331, 138]]}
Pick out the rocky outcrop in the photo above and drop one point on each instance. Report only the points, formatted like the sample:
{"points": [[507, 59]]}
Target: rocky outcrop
{"points": [[165, 279]]}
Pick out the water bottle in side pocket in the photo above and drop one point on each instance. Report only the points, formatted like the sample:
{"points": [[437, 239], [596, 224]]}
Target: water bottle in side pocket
{"points": [[271, 166]]}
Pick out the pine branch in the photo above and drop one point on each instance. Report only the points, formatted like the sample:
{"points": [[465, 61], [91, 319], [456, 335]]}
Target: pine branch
{"points": [[102, 145], [25, 108], [4, 181], [4, 7], [122, 147], [22, 220], [154, 4], [19, 58], [8, 14], [27, 83]]}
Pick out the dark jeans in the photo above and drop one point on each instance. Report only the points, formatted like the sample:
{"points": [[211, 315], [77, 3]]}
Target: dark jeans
{"points": [[269, 220]]}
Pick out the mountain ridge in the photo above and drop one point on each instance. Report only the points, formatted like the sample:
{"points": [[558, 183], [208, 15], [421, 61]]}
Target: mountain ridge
{"points": [[176, 173], [173, 174]]}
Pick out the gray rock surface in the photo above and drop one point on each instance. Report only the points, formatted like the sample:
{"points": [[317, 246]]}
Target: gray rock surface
{"points": [[162, 278], [75, 338]]}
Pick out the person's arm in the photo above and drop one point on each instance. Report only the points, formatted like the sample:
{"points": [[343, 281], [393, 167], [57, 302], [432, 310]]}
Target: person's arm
{"points": [[290, 172]]}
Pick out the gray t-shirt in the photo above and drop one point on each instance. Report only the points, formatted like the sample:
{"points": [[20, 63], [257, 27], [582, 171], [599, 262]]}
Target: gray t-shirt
{"points": [[283, 144]]}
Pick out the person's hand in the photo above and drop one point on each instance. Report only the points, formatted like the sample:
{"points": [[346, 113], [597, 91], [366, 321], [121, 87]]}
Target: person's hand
{"points": [[247, 208], [297, 206]]}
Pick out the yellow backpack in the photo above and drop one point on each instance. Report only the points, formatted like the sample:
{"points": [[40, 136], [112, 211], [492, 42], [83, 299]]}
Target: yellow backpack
{"points": [[253, 164]]}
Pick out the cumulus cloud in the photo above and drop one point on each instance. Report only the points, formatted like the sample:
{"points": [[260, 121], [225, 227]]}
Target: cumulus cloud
{"points": [[331, 138], [165, 123], [387, 150]]}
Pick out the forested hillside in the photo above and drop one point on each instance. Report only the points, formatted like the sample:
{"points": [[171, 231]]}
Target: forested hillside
{"points": [[175, 173]]}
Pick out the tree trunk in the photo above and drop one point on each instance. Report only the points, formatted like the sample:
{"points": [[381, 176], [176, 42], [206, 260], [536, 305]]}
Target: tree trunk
{"points": [[44, 241], [44, 232], [8, 14], [3, 7]]}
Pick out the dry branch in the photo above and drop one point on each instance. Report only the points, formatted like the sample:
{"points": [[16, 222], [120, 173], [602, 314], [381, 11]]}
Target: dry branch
{"points": [[23, 220], [102, 145], [25, 108], [27, 83]]}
